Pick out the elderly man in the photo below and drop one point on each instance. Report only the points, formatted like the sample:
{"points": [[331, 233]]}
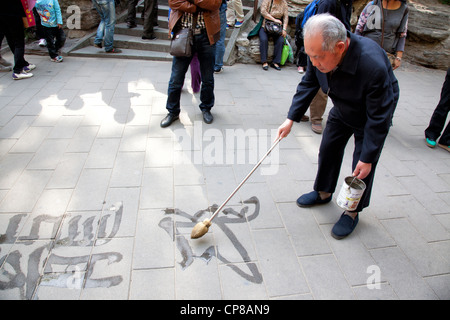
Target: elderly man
{"points": [[359, 80]]}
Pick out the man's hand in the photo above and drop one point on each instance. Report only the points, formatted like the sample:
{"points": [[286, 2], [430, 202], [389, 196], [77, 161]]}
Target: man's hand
{"points": [[285, 128], [362, 170]]}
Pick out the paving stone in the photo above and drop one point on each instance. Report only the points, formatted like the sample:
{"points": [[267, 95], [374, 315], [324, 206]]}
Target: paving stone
{"points": [[396, 268], [98, 202], [278, 262], [325, 279]]}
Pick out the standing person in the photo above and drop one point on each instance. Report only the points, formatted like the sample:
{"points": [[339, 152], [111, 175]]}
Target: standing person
{"points": [[386, 22], [220, 44], [52, 23], [39, 29], [362, 86], [105, 31], [131, 16], [341, 9], [235, 14], [5, 66], [278, 12], [150, 16], [437, 121], [206, 34], [11, 25]]}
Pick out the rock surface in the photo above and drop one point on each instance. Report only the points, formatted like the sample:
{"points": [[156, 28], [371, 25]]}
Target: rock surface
{"points": [[428, 40]]}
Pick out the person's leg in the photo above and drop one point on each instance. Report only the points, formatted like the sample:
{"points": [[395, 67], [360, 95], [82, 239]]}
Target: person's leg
{"points": [[180, 66], [148, 19], [239, 10], [438, 119], [110, 23], [15, 37], [263, 45], [99, 6], [49, 37], [278, 47], [316, 111], [206, 56], [220, 45], [230, 14], [331, 152], [196, 78], [60, 37], [131, 16]]}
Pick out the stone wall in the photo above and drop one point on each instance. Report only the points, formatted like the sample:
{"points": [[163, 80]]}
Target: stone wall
{"points": [[88, 16], [428, 40]]}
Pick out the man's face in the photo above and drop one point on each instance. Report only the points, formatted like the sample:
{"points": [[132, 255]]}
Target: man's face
{"points": [[324, 61]]}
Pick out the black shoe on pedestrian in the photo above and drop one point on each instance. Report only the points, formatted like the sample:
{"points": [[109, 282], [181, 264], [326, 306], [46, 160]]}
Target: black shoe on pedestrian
{"points": [[168, 120], [131, 25], [310, 199], [344, 226], [207, 116], [275, 66]]}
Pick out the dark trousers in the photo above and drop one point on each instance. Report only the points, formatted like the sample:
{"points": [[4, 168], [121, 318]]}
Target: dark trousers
{"points": [[206, 56], [12, 28], [131, 17], [264, 45], [55, 38], [150, 16], [335, 137], [437, 121]]}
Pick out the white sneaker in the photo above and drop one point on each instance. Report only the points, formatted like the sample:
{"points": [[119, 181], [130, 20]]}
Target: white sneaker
{"points": [[42, 43], [29, 68], [22, 75]]}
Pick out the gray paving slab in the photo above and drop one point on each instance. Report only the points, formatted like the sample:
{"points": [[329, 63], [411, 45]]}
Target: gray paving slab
{"points": [[98, 202]]}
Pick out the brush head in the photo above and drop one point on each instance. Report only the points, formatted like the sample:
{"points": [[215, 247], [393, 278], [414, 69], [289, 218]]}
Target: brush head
{"points": [[200, 229]]}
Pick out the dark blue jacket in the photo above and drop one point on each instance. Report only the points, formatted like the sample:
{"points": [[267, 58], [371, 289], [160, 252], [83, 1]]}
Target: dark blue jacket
{"points": [[343, 13], [363, 89]]}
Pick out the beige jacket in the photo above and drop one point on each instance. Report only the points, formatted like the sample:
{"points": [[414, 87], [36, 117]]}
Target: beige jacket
{"points": [[279, 11]]}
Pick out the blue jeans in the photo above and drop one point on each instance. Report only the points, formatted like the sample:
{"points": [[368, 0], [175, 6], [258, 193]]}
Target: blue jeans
{"points": [[107, 11], [220, 45], [206, 56]]}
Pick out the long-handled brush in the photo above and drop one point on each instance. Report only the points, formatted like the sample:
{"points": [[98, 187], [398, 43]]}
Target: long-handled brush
{"points": [[201, 228]]}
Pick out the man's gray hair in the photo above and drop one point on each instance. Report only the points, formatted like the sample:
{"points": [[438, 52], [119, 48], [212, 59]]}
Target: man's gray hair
{"points": [[331, 29]]}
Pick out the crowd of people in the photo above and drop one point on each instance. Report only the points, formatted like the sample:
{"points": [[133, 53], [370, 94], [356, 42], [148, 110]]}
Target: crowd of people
{"points": [[355, 70]]}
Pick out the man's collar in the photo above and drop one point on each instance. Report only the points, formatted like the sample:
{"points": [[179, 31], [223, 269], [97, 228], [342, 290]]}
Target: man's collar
{"points": [[350, 61]]}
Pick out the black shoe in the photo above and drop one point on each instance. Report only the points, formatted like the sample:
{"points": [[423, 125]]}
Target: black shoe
{"points": [[98, 45], [344, 226], [311, 199], [150, 37], [131, 25], [275, 66], [207, 116], [265, 67], [168, 120]]}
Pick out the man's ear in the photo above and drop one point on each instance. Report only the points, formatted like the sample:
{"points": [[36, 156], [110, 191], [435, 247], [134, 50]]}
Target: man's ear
{"points": [[340, 46]]}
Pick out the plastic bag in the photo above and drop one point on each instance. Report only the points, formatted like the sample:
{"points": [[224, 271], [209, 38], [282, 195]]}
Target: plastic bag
{"points": [[287, 54], [284, 52]]}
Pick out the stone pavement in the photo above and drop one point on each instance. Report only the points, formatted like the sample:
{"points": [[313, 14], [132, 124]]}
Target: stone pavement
{"points": [[98, 202]]}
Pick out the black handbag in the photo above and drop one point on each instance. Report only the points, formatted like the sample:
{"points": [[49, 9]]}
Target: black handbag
{"points": [[181, 43], [273, 28], [183, 40]]}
